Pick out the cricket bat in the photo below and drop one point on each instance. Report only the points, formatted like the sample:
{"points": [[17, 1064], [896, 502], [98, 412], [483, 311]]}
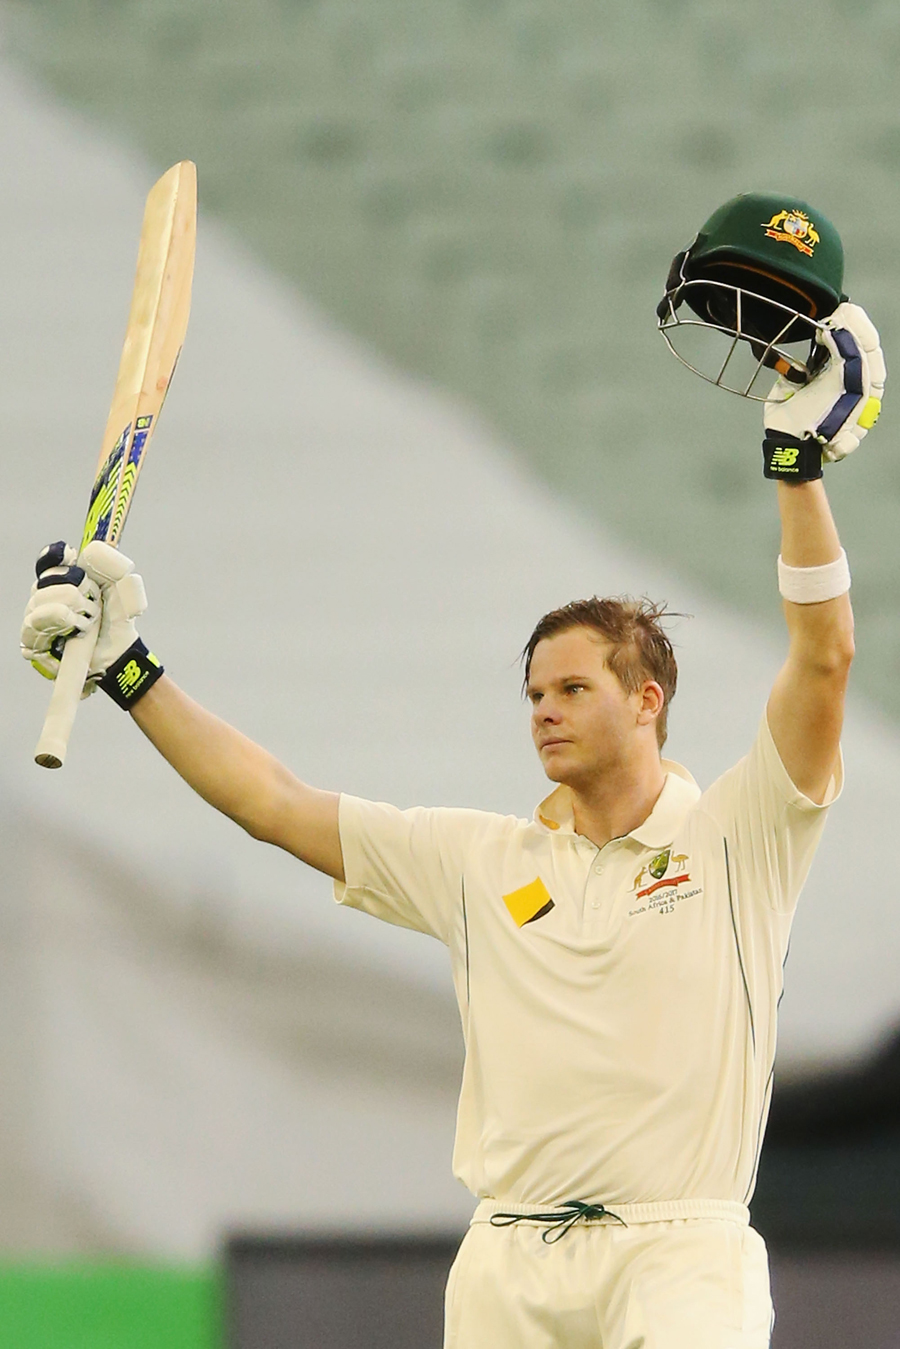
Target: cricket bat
{"points": [[157, 322]]}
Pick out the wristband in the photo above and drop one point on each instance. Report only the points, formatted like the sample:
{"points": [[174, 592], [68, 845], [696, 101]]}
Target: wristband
{"points": [[128, 678], [788, 459], [813, 585]]}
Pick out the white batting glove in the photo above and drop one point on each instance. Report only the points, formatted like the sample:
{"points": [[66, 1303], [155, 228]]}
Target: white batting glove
{"points": [[63, 601], [828, 417], [70, 594]]}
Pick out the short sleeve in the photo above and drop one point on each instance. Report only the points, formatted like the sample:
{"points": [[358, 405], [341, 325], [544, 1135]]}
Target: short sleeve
{"points": [[770, 828], [406, 866]]}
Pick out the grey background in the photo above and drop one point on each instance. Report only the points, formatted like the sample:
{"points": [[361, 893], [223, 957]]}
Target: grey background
{"points": [[490, 193]]}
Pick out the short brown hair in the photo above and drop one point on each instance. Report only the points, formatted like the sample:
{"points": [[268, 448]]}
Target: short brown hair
{"points": [[641, 648]]}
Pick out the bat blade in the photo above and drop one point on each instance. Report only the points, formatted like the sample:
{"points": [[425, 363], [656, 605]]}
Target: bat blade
{"points": [[157, 323]]}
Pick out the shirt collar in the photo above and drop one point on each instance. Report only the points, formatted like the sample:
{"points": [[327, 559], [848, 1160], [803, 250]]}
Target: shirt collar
{"points": [[680, 792]]}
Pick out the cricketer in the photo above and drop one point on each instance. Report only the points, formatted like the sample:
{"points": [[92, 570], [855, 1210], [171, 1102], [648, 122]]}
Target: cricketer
{"points": [[617, 958]]}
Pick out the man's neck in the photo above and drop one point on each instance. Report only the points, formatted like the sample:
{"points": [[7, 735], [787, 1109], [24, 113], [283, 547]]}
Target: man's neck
{"points": [[618, 801]]}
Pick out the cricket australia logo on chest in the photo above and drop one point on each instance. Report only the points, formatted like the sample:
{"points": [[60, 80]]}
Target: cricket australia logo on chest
{"points": [[663, 883]]}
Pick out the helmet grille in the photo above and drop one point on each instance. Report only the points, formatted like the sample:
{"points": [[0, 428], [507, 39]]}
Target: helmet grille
{"points": [[764, 298]]}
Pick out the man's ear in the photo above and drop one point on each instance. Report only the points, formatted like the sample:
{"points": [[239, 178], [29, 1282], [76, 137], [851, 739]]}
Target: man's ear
{"points": [[652, 702]]}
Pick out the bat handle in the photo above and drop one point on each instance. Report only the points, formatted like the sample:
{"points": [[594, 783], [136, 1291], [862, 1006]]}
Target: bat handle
{"points": [[73, 669]]}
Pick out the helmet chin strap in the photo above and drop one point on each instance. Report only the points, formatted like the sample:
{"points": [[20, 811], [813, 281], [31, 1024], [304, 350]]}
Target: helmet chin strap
{"points": [[795, 372], [777, 361]]}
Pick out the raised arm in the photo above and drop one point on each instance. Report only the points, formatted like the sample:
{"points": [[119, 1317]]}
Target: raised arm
{"points": [[241, 779], [825, 420], [229, 771], [806, 707]]}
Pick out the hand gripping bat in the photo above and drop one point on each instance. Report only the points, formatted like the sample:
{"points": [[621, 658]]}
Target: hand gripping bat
{"points": [[157, 322]]}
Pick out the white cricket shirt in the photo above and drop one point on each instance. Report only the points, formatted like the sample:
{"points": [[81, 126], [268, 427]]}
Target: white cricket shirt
{"points": [[618, 1003]]}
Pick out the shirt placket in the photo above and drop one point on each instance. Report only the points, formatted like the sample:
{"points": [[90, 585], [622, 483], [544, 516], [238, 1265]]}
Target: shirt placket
{"points": [[599, 887]]}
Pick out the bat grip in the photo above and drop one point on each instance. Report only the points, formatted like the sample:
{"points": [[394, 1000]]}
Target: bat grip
{"points": [[73, 669]]}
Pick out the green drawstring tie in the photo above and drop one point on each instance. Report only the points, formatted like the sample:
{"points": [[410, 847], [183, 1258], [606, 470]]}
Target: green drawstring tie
{"points": [[558, 1223]]}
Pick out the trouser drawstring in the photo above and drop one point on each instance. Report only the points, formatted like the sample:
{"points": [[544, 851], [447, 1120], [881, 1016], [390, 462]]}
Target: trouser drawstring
{"points": [[558, 1222]]}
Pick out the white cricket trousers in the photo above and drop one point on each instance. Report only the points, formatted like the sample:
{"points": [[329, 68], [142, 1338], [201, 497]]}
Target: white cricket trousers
{"points": [[688, 1274]]}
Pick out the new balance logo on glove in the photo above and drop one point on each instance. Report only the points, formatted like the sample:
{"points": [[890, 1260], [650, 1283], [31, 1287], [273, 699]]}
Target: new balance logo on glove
{"points": [[132, 675], [128, 677], [800, 461]]}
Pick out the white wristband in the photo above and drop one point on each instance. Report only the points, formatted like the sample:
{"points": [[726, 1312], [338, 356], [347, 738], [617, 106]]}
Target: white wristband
{"points": [[813, 585]]}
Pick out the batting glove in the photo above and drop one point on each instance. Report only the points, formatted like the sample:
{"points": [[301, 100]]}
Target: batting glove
{"points": [[828, 417], [73, 591]]}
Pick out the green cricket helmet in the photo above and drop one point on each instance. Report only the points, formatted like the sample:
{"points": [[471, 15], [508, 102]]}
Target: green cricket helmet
{"points": [[765, 270]]}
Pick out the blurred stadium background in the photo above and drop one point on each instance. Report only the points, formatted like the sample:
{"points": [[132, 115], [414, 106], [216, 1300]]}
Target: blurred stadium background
{"points": [[421, 401]]}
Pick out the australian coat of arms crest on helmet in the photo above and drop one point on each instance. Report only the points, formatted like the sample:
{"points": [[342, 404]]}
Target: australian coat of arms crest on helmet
{"points": [[793, 227]]}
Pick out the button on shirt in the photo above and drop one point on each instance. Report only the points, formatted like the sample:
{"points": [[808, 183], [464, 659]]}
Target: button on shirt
{"points": [[618, 1004]]}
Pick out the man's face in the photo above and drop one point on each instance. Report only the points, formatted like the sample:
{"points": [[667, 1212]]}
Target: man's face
{"points": [[582, 720]]}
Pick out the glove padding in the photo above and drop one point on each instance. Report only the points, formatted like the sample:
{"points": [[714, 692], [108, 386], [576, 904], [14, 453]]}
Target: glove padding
{"points": [[842, 402], [72, 591], [63, 601]]}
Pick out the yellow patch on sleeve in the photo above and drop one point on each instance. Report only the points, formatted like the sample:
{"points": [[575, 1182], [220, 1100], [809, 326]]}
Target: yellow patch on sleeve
{"points": [[531, 902], [870, 413]]}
